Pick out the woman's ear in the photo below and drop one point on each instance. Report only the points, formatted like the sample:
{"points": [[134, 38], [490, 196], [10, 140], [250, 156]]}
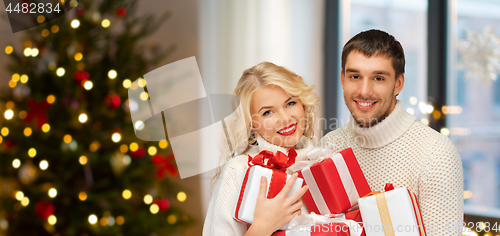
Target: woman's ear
{"points": [[252, 128], [253, 134]]}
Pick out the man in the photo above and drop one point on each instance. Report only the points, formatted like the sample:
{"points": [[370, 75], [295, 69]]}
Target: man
{"points": [[391, 146]]}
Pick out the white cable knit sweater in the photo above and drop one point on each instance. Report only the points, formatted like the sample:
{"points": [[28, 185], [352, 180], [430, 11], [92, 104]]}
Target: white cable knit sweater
{"points": [[219, 220], [407, 153]]}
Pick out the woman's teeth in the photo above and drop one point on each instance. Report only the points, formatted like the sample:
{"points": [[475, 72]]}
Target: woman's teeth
{"points": [[287, 130]]}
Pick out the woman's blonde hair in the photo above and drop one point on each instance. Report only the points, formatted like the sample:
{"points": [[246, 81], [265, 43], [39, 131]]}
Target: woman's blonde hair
{"points": [[239, 126]]}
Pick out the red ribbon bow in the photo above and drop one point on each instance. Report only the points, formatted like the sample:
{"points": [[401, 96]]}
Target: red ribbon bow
{"points": [[278, 161]]}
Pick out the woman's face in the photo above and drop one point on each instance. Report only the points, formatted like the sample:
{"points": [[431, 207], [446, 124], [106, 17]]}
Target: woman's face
{"points": [[278, 117]]}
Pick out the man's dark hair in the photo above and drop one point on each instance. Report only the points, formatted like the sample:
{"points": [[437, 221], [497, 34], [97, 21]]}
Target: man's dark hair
{"points": [[379, 43]]}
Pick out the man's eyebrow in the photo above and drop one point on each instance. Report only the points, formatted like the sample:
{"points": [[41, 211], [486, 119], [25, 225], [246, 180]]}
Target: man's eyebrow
{"points": [[351, 70], [381, 72]]}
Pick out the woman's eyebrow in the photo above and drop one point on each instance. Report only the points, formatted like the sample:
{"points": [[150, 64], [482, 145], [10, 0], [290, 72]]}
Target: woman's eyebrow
{"points": [[290, 98], [264, 108], [268, 107]]}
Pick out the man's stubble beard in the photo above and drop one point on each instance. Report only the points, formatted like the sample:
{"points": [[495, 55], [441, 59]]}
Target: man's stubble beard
{"points": [[374, 121]]}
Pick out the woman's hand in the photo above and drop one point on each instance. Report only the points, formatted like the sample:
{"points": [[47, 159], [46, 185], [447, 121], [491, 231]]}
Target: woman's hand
{"points": [[271, 214]]}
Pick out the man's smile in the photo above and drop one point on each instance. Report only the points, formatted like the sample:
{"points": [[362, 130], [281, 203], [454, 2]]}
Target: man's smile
{"points": [[365, 105]]}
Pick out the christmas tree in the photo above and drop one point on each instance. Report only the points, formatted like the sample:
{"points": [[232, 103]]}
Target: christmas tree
{"points": [[70, 161]]}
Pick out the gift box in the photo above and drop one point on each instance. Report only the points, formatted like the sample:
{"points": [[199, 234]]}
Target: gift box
{"points": [[273, 167], [355, 215], [395, 212], [316, 230], [336, 182], [319, 225]]}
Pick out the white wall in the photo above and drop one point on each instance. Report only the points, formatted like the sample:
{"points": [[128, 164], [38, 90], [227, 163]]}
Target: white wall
{"points": [[236, 35]]}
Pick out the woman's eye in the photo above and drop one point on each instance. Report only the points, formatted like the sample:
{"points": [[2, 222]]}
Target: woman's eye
{"points": [[266, 113], [291, 103]]}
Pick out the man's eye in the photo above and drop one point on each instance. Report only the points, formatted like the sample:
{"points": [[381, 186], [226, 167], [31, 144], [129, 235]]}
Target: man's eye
{"points": [[354, 77], [291, 103], [266, 113], [378, 79]]}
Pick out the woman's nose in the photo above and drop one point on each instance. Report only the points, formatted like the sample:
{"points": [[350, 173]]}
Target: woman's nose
{"points": [[285, 116]]}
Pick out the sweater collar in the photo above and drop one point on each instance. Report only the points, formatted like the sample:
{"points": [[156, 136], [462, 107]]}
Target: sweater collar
{"points": [[386, 131], [303, 146]]}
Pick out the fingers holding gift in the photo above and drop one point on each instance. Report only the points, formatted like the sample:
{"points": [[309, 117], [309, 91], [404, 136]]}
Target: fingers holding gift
{"points": [[263, 188], [296, 206], [298, 195], [288, 186]]}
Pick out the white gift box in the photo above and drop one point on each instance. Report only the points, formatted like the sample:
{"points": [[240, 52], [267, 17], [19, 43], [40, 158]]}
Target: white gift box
{"points": [[249, 191], [395, 212]]}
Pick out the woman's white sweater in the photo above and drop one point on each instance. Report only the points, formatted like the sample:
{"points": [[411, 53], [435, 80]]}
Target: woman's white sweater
{"points": [[219, 220]]}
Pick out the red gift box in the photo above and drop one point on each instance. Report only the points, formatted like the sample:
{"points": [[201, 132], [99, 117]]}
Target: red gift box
{"points": [[356, 216], [335, 184], [273, 167]]}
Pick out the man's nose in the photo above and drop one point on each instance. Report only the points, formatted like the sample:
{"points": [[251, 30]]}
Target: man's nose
{"points": [[365, 88]]}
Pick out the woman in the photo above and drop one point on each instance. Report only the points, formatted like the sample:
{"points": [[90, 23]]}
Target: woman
{"points": [[278, 111]]}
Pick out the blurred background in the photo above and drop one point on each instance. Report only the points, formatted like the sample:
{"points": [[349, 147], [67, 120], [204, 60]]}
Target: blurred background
{"points": [[70, 163]]}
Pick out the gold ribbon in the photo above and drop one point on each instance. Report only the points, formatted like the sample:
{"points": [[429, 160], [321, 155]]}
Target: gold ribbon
{"points": [[371, 193], [384, 214]]}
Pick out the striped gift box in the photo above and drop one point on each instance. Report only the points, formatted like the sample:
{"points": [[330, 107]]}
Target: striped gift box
{"points": [[335, 184]]}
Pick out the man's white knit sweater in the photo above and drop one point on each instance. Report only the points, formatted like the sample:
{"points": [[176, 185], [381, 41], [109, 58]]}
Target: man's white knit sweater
{"points": [[407, 153], [219, 220]]}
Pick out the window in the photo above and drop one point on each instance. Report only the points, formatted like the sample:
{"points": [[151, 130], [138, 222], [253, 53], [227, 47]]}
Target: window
{"points": [[461, 88], [496, 99], [474, 104]]}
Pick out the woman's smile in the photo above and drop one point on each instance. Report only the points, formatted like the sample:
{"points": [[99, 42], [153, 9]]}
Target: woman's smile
{"points": [[288, 130]]}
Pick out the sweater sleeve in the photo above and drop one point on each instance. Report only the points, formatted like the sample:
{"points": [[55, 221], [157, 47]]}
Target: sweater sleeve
{"points": [[219, 219], [441, 191]]}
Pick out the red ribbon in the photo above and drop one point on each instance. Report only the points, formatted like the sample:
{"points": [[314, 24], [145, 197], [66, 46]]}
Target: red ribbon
{"points": [[37, 111], [277, 163], [388, 187]]}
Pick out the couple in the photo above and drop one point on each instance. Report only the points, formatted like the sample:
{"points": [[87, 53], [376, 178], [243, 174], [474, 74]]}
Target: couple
{"points": [[390, 145]]}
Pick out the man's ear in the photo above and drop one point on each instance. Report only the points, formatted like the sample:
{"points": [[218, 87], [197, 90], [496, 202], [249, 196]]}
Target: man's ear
{"points": [[342, 77], [400, 81]]}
